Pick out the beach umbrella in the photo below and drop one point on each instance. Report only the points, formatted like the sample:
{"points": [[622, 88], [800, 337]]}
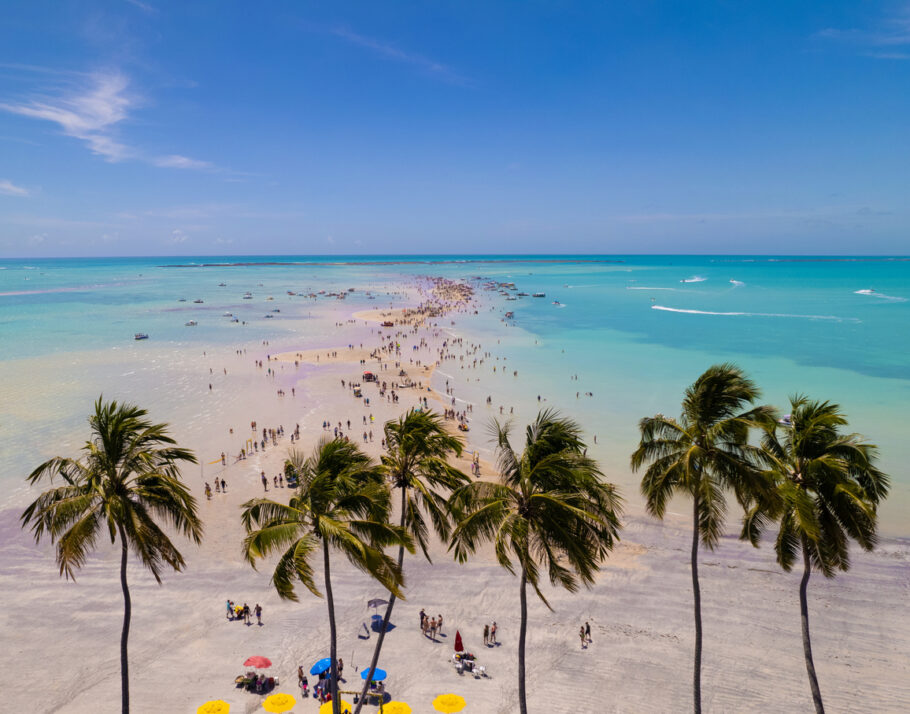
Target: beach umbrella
{"points": [[396, 708], [378, 674], [459, 647], [258, 662], [377, 602], [323, 665], [326, 708], [279, 703], [216, 706], [448, 703]]}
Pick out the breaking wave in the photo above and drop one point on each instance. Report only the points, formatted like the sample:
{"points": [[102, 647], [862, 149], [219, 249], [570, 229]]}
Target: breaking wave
{"points": [[755, 314]]}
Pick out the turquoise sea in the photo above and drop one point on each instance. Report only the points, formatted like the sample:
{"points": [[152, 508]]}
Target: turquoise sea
{"points": [[634, 329]]}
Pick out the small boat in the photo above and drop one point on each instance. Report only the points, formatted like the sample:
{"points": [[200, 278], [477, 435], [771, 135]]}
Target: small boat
{"points": [[182, 300], [269, 317], [228, 314], [291, 292], [198, 302], [270, 298], [222, 285], [191, 323], [539, 295], [522, 294], [276, 310], [248, 296], [556, 302], [235, 319], [140, 336], [510, 314]]}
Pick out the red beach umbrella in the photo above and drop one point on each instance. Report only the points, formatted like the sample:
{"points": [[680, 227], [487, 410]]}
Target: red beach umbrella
{"points": [[258, 662], [459, 647]]}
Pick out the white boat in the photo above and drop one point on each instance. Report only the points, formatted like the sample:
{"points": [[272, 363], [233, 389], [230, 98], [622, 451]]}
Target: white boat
{"points": [[191, 323], [248, 296], [228, 314], [140, 336], [539, 295]]}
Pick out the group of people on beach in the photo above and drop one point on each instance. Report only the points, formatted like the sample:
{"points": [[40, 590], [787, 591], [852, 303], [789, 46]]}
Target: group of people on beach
{"points": [[489, 634], [430, 626], [322, 691], [238, 612]]}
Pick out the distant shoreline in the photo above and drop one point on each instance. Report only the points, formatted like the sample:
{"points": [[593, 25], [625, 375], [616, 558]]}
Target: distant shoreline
{"points": [[451, 261]]}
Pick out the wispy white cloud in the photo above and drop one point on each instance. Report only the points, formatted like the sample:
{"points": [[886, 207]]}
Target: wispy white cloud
{"points": [[8, 188], [89, 115], [889, 32], [91, 109], [145, 7], [178, 236], [176, 161], [391, 52]]}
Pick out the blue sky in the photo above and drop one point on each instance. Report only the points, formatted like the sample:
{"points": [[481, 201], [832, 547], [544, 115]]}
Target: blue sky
{"points": [[133, 127]]}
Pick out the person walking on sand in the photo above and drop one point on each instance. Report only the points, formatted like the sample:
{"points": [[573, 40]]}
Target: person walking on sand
{"points": [[230, 610], [246, 613], [588, 631], [340, 669], [423, 618], [584, 640], [493, 633], [439, 624], [259, 614], [265, 482], [486, 634]]}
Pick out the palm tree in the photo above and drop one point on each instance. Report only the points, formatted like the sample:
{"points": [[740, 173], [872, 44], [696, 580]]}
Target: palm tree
{"points": [[342, 502], [128, 477], [417, 449], [702, 454], [549, 509], [827, 491]]}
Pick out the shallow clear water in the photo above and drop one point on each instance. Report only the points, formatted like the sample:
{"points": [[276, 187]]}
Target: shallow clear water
{"points": [[636, 331]]}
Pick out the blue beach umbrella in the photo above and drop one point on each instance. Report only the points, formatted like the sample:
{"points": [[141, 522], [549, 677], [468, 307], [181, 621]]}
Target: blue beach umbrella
{"points": [[378, 674], [323, 665]]}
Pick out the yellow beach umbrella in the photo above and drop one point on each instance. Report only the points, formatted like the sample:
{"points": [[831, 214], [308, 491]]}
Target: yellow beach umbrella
{"points": [[326, 708], [216, 706], [449, 703], [279, 703], [395, 708]]}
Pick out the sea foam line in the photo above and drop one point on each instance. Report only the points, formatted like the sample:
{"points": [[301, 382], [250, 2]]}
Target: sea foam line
{"points": [[755, 314]]}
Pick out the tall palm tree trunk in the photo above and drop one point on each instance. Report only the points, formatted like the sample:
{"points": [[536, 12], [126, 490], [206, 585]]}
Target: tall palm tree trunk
{"points": [[807, 645], [696, 596], [330, 601], [522, 631], [388, 615], [125, 634]]}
